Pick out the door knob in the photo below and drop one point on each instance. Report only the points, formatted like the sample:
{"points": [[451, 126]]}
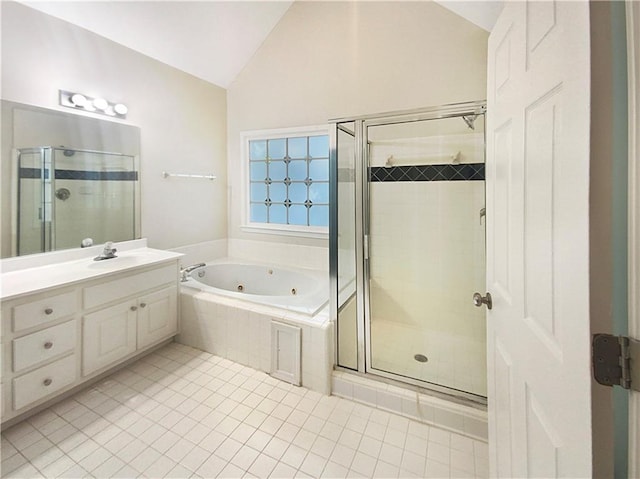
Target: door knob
{"points": [[479, 300]]}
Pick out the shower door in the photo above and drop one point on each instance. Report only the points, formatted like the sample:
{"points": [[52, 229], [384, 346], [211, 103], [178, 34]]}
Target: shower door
{"points": [[347, 247], [424, 235], [407, 247], [94, 195], [66, 195]]}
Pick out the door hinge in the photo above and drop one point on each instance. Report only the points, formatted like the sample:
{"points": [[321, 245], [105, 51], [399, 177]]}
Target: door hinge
{"points": [[616, 361]]}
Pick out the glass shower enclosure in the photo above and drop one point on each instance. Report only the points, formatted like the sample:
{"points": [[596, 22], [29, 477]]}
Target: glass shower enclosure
{"points": [[66, 195], [407, 247]]}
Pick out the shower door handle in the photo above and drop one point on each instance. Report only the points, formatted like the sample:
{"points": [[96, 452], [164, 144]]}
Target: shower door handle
{"points": [[479, 300], [365, 247]]}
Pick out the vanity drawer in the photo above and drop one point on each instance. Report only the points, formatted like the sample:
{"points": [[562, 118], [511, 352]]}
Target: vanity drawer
{"points": [[120, 288], [46, 380], [48, 343], [42, 311]]}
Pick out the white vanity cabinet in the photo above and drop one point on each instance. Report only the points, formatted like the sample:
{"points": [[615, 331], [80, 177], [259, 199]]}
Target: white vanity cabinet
{"points": [[115, 332], [56, 339], [147, 315], [39, 347]]}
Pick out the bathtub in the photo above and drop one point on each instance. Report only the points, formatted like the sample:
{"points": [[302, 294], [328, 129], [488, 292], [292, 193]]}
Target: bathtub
{"points": [[305, 292], [230, 309]]}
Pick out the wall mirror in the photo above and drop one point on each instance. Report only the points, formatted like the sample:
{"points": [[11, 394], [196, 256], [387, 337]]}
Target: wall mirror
{"points": [[66, 177]]}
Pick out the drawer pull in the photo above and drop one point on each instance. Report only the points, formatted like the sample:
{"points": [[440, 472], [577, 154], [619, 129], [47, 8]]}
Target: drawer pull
{"points": [[48, 311], [48, 345], [142, 305], [134, 308], [47, 382]]}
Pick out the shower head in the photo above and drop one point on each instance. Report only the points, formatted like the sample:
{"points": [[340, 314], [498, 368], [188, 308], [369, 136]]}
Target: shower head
{"points": [[470, 120]]}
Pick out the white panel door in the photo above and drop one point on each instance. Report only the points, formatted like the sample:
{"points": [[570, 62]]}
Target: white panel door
{"points": [[538, 241]]}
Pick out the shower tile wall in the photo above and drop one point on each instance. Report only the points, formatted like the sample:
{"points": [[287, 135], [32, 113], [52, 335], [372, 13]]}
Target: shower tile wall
{"points": [[423, 280]]}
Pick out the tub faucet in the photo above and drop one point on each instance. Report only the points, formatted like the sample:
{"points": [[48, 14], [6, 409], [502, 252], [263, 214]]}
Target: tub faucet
{"points": [[107, 253], [184, 272]]}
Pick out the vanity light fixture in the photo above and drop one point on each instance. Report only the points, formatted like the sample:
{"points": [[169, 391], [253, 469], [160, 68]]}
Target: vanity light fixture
{"points": [[80, 101], [100, 104], [120, 109]]}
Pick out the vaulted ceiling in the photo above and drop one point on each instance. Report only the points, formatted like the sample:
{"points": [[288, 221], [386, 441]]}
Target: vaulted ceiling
{"points": [[212, 40]]}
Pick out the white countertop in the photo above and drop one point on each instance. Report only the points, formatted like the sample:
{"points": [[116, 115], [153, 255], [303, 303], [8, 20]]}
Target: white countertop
{"points": [[39, 278]]}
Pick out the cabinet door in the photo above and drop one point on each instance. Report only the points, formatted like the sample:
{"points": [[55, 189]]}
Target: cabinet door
{"points": [[108, 335], [157, 316]]}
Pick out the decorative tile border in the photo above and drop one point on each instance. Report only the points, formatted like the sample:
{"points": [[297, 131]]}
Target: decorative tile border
{"points": [[36, 173], [447, 172], [33, 173]]}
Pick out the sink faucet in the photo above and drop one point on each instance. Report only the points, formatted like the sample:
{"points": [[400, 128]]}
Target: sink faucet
{"points": [[107, 253], [184, 272]]}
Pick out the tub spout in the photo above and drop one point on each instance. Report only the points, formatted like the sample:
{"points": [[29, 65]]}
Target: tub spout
{"points": [[184, 272]]}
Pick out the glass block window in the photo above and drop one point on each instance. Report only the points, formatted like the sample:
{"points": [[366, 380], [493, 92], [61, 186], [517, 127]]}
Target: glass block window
{"points": [[289, 180]]}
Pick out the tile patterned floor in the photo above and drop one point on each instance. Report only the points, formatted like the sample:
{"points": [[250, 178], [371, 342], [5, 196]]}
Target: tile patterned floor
{"points": [[180, 412]]}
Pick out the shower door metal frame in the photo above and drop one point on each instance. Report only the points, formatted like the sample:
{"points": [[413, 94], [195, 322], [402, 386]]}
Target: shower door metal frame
{"points": [[47, 233], [333, 236], [362, 231]]}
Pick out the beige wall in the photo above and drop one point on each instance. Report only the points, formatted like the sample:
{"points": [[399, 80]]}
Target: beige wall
{"points": [[182, 119], [323, 60], [334, 59]]}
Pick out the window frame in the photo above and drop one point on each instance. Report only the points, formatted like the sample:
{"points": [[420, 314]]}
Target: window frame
{"points": [[275, 228]]}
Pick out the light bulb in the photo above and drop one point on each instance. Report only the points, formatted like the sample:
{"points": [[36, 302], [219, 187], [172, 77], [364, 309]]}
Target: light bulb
{"points": [[120, 109], [100, 103], [78, 100]]}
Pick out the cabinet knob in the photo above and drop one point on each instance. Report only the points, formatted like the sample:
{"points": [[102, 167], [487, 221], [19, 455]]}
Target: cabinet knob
{"points": [[48, 345], [142, 305], [47, 382], [133, 308], [48, 311]]}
